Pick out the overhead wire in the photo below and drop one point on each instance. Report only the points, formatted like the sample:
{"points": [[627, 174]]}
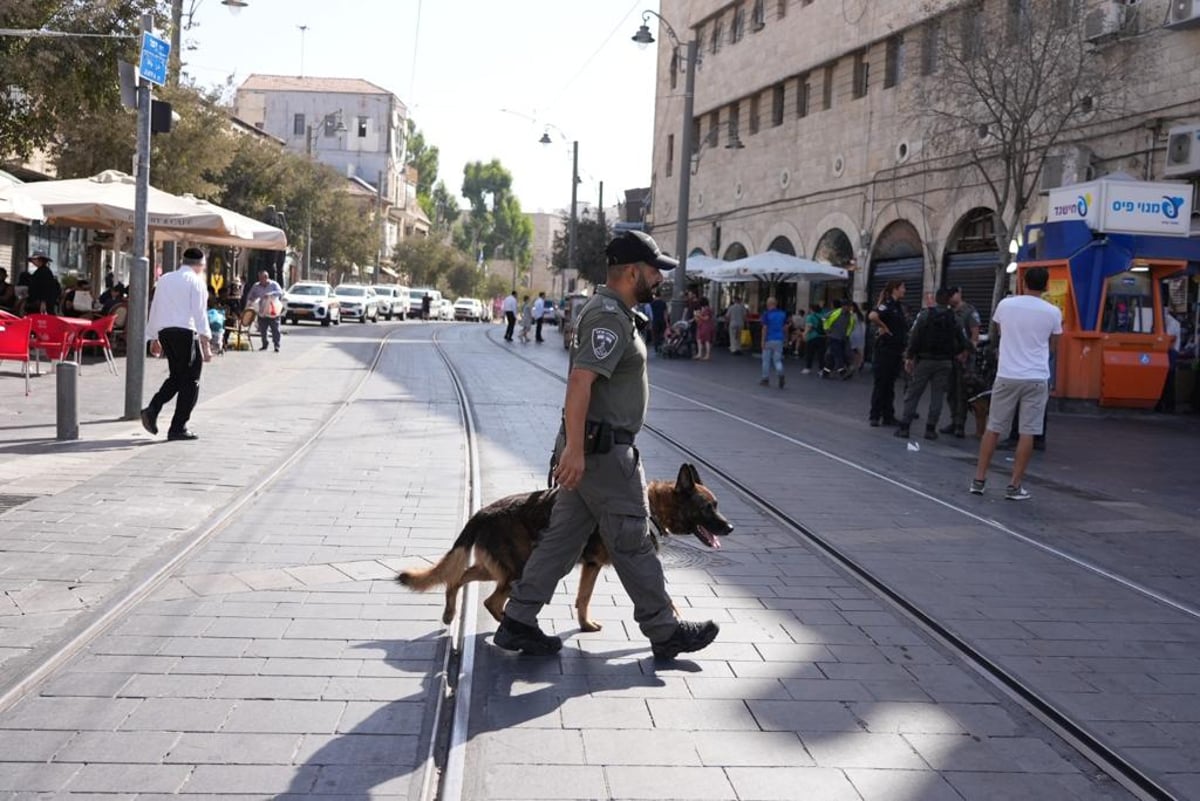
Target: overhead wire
{"points": [[587, 62]]}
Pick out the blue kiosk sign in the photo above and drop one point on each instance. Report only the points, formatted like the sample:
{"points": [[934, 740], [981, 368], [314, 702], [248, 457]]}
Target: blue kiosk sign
{"points": [[156, 53]]}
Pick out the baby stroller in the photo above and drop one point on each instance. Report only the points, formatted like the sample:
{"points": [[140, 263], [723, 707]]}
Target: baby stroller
{"points": [[680, 341]]}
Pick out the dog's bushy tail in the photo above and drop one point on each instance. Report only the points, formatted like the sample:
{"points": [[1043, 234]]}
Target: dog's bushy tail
{"points": [[448, 568]]}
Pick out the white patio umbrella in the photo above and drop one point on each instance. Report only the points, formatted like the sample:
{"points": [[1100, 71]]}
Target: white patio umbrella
{"points": [[775, 268], [702, 267], [243, 231], [106, 201], [15, 206]]}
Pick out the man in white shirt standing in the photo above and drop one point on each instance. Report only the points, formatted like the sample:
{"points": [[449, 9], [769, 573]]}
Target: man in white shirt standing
{"points": [[1029, 327], [539, 307], [509, 307], [178, 328]]}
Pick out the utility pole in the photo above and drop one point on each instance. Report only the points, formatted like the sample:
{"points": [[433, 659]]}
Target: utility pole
{"points": [[572, 264], [679, 282], [176, 64], [139, 279]]}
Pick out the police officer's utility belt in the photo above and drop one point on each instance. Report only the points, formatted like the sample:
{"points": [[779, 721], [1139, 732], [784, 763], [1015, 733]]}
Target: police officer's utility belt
{"points": [[599, 437]]}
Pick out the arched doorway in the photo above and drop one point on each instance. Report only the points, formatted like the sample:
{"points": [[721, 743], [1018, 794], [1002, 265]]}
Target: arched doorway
{"points": [[785, 294], [735, 251], [971, 260], [834, 247], [898, 256]]}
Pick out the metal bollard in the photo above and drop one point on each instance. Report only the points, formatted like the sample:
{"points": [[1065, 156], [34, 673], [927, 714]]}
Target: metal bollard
{"points": [[67, 375]]}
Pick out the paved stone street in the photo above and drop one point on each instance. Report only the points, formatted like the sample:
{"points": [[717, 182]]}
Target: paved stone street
{"points": [[282, 660]]}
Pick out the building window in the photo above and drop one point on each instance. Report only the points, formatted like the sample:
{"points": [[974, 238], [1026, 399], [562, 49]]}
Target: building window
{"points": [[781, 9], [738, 29], [717, 32], [362, 127], [1020, 18], [753, 114], [1065, 12], [862, 74], [759, 15], [827, 87], [695, 135], [972, 31], [674, 69], [803, 89], [931, 47], [298, 126], [893, 68], [670, 154], [778, 95], [735, 111], [714, 128], [331, 123]]}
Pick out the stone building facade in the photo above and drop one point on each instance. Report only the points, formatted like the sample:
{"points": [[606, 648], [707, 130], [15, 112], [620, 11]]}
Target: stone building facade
{"points": [[836, 162]]}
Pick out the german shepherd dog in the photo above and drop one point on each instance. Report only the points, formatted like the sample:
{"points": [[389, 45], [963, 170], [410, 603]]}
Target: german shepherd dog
{"points": [[504, 533]]}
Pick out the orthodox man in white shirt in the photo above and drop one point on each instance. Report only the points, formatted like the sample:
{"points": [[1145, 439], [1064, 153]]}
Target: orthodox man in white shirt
{"points": [[178, 329]]}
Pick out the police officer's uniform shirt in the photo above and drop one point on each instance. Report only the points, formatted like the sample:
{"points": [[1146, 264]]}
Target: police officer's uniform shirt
{"points": [[968, 318], [606, 343], [891, 312]]}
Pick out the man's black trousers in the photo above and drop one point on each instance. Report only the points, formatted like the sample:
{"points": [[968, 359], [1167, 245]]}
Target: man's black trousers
{"points": [[182, 351], [511, 317]]}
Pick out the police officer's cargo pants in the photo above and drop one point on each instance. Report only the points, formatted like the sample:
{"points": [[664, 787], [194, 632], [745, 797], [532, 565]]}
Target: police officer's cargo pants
{"points": [[612, 494], [934, 373], [888, 362]]}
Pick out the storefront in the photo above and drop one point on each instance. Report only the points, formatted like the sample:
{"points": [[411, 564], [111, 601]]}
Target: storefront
{"points": [[898, 256], [971, 261], [832, 248]]}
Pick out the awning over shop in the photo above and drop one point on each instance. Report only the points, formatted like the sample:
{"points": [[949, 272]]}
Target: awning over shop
{"points": [[388, 271], [701, 267], [775, 268]]}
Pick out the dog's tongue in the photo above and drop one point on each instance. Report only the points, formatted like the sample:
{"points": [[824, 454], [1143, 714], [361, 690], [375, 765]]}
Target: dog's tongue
{"points": [[709, 539]]}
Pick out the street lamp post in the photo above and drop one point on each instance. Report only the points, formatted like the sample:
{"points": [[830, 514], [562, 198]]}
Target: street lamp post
{"points": [[573, 222], [644, 37]]}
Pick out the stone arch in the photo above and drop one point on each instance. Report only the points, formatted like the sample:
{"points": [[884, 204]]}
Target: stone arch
{"points": [[786, 230], [781, 244], [834, 247], [970, 259], [836, 219], [952, 215], [898, 253], [735, 250], [696, 251]]}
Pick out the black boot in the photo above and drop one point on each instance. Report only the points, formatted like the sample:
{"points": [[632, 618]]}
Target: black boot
{"points": [[902, 431], [689, 636], [931, 432], [514, 635]]}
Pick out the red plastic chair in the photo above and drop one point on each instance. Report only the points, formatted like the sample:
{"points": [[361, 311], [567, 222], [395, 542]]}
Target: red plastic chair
{"points": [[95, 335], [14, 343], [52, 336]]}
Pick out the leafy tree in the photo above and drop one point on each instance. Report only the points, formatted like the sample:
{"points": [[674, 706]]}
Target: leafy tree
{"points": [[485, 186], [426, 260], [462, 275], [444, 206], [423, 157], [53, 81], [593, 237], [1012, 80], [184, 160]]}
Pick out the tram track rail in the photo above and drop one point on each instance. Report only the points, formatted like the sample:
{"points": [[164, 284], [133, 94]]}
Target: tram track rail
{"points": [[1074, 733]]}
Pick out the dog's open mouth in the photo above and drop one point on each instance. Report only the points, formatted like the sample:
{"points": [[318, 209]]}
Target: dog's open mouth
{"points": [[707, 537]]}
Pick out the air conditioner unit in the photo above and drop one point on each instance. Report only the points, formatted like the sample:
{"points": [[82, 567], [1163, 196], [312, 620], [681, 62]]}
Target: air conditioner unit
{"points": [[1184, 14], [1075, 165], [1183, 152], [1104, 22]]}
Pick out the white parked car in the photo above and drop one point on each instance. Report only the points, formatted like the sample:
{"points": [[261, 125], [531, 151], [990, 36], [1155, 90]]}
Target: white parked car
{"points": [[416, 300], [311, 300], [468, 309], [358, 302], [391, 304], [445, 310]]}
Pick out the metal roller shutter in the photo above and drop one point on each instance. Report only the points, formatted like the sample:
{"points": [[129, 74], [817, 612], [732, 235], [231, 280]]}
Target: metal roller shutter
{"points": [[976, 274], [911, 271]]}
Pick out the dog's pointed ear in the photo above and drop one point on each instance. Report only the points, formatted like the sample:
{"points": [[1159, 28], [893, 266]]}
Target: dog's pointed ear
{"points": [[695, 476], [684, 482]]}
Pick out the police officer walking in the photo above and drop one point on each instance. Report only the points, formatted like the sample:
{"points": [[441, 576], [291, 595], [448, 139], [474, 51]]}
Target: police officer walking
{"points": [[599, 469], [891, 339]]}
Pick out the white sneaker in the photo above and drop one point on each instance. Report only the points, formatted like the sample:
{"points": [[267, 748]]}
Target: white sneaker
{"points": [[1012, 493], [805, 371]]}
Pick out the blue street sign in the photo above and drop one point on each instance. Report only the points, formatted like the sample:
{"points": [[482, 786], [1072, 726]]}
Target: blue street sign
{"points": [[155, 54]]}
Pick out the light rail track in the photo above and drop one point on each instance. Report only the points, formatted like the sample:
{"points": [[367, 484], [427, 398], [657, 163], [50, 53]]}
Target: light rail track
{"points": [[1107, 759]]}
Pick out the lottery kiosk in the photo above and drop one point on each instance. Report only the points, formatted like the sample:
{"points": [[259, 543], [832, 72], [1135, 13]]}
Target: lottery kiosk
{"points": [[1112, 248]]}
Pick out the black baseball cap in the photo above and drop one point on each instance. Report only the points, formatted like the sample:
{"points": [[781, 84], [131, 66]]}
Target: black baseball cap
{"points": [[635, 247]]}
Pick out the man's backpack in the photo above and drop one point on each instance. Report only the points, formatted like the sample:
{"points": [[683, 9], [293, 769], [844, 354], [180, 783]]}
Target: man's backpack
{"points": [[940, 336]]}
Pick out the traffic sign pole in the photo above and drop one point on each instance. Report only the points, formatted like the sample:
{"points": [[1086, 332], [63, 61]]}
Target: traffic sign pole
{"points": [[139, 279]]}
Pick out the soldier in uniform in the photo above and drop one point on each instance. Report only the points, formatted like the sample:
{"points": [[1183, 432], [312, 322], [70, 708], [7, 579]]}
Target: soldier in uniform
{"points": [[968, 321], [599, 469]]}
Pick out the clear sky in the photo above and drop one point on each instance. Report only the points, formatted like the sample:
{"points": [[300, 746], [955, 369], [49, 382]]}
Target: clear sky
{"points": [[565, 63]]}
